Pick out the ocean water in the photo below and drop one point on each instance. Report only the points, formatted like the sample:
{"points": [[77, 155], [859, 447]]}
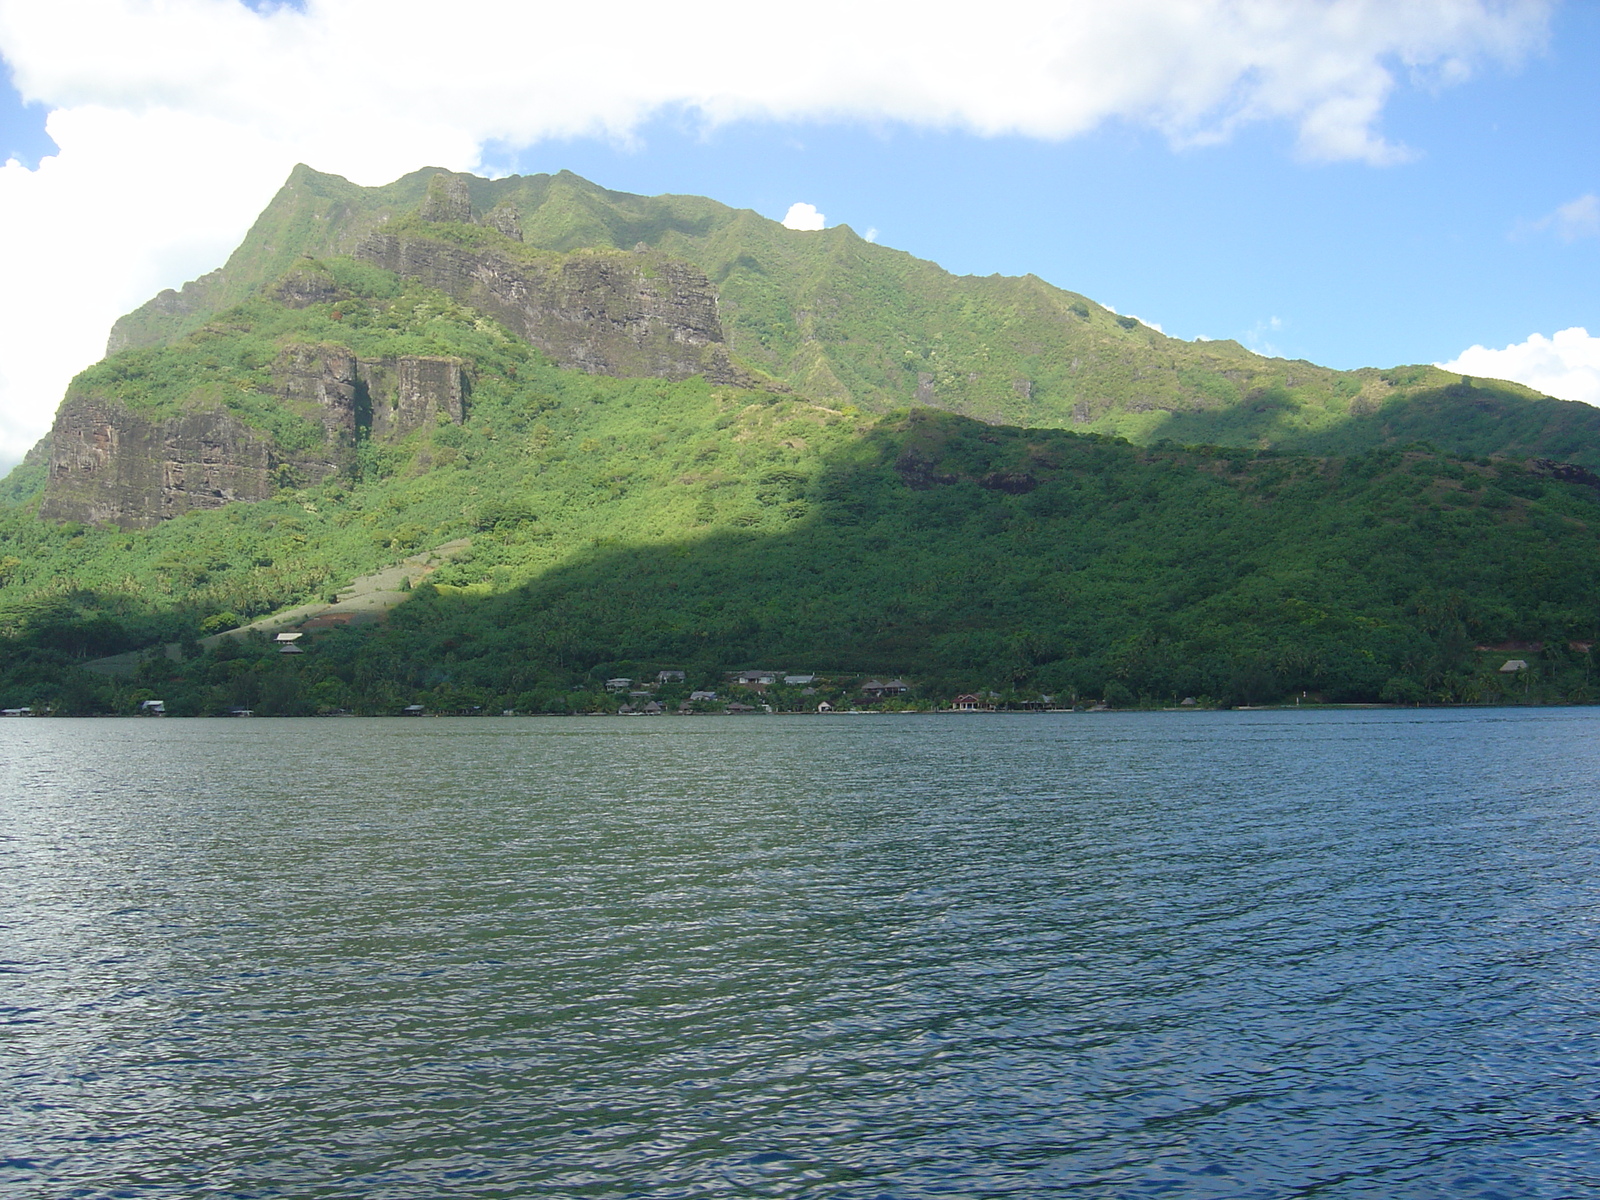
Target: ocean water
{"points": [[1329, 954]]}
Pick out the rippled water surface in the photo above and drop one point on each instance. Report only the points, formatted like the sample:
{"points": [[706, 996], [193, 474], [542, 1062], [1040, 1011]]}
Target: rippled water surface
{"points": [[1191, 955]]}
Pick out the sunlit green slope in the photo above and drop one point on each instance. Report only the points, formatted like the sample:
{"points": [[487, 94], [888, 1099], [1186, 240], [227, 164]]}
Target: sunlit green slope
{"points": [[842, 320]]}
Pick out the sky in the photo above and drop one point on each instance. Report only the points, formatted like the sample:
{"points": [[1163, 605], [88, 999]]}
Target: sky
{"points": [[1353, 182]]}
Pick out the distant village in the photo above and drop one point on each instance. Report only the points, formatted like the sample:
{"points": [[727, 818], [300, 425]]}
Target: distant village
{"points": [[698, 692], [737, 693], [673, 691], [772, 691]]}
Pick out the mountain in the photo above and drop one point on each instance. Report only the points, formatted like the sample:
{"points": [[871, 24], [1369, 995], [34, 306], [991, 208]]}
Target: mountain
{"points": [[831, 316], [660, 433]]}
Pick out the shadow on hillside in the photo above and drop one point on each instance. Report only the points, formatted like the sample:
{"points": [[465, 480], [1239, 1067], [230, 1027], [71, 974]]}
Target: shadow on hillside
{"points": [[964, 554], [1468, 421], [1463, 419], [920, 556], [989, 556]]}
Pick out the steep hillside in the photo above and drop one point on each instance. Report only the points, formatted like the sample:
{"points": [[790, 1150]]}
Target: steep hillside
{"points": [[832, 316], [638, 466]]}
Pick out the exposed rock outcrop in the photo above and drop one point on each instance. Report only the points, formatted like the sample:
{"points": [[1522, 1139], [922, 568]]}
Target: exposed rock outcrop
{"points": [[505, 219], [305, 285], [112, 465], [412, 392], [606, 312], [320, 382], [447, 199]]}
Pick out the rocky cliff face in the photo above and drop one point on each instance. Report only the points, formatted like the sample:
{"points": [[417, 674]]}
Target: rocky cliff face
{"points": [[109, 465], [409, 393], [112, 465], [606, 312], [384, 397]]}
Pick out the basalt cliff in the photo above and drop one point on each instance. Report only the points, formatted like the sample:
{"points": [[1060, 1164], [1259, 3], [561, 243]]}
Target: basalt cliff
{"points": [[111, 463], [600, 311]]}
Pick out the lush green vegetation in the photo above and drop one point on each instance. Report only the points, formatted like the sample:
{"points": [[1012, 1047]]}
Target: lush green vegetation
{"points": [[843, 320], [621, 526]]}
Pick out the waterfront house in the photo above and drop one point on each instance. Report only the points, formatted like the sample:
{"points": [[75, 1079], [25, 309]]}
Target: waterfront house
{"points": [[755, 678], [670, 677], [153, 708], [618, 685], [798, 680], [736, 707], [707, 696], [967, 702]]}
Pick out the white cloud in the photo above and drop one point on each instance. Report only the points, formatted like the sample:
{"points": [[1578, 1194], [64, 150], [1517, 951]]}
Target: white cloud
{"points": [[1576, 219], [804, 216], [871, 235], [1566, 366], [176, 119], [1571, 221]]}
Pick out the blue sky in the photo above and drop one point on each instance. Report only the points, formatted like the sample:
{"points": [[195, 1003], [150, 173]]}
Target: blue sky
{"points": [[1361, 265], [22, 127], [1429, 223]]}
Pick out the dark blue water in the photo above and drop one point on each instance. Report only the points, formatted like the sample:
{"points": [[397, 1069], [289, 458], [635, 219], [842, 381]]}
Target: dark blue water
{"points": [[1190, 955]]}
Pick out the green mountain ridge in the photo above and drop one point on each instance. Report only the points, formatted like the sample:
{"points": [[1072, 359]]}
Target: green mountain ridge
{"points": [[841, 319], [725, 444]]}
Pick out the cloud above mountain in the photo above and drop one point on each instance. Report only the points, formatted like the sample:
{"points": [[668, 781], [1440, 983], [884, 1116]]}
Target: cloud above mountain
{"points": [[804, 216], [1566, 366], [1195, 69], [176, 120]]}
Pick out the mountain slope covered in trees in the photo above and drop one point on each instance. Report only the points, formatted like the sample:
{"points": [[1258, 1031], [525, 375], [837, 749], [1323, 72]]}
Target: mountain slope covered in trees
{"points": [[774, 449]]}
